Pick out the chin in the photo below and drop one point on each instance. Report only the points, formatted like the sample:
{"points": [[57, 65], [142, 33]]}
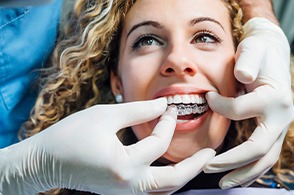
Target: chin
{"points": [[176, 153], [171, 158]]}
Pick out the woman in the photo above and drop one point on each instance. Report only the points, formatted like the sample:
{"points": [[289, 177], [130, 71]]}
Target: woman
{"points": [[146, 50]]}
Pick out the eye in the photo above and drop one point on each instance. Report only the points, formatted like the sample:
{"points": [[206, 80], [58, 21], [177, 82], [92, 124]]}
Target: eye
{"points": [[145, 41], [206, 37]]}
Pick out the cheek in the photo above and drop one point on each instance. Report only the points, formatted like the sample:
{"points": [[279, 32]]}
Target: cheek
{"points": [[138, 76], [219, 129], [142, 131], [145, 129], [222, 76], [227, 82]]}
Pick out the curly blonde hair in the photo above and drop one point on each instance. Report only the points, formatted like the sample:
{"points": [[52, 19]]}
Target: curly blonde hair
{"points": [[77, 76]]}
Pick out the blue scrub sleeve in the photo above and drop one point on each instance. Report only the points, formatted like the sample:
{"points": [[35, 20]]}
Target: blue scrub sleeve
{"points": [[27, 38]]}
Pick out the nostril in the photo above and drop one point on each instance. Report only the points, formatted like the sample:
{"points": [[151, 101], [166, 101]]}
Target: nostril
{"points": [[190, 71], [169, 70]]}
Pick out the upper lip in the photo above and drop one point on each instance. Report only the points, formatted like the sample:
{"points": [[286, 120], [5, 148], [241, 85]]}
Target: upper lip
{"points": [[170, 91]]}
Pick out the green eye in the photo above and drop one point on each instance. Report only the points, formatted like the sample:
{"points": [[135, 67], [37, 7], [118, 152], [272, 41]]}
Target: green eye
{"points": [[145, 41], [206, 36], [205, 39]]}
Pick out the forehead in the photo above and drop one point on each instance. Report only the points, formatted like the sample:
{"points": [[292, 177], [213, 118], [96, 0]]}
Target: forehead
{"points": [[173, 12]]}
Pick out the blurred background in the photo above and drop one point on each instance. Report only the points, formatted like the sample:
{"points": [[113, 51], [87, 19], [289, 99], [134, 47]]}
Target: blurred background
{"points": [[284, 10]]}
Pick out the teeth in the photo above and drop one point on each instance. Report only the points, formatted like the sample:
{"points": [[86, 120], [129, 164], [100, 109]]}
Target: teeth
{"points": [[191, 109], [193, 99], [169, 100], [177, 99], [188, 104], [186, 99]]}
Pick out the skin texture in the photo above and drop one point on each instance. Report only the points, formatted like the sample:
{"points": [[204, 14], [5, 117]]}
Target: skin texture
{"points": [[178, 57]]}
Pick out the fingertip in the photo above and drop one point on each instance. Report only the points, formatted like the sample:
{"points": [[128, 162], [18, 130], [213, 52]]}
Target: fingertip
{"points": [[170, 115], [209, 151], [244, 76], [216, 102], [249, 57], [172, 111], [227, 184], [168, 122], [206, 153], [210, 167], [211, 96], [160, 103], [193, 165], [137, 112], [161, 100]]}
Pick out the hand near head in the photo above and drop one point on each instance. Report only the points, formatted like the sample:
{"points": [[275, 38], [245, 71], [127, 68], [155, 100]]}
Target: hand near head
{"points": [[262, 64], [83, 152]]}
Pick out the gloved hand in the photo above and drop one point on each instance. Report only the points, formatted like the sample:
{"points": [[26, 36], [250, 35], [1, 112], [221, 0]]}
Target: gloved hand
{"points": [[83, 152], [262, 64]]}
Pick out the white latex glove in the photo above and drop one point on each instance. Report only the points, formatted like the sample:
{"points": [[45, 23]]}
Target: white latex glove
{"points": [[262, 64], [83, 152]]}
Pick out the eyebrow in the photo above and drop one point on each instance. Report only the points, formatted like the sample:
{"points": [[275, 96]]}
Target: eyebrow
{"points": [[202, 19], [145, 23], [157, 25]]}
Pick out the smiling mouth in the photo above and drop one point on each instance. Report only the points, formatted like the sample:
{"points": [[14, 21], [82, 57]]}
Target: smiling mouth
{"points": [[189, 107]]}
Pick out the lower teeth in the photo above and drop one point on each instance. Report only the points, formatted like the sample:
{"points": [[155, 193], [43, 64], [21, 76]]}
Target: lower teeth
{"points": [[182, 121], [191, 109]]}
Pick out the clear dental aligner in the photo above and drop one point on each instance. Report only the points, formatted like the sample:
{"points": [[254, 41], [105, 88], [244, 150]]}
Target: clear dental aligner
{"points": [[188, 104], [191, 109]]}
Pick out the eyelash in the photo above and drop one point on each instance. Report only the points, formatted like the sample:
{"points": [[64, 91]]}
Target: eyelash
{"points": [[135, 45], [209, 34]]}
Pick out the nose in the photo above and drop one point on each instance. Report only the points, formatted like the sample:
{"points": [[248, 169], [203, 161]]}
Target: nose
{"points": [[178, 62]]}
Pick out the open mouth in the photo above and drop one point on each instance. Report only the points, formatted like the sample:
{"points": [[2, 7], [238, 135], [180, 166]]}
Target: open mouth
{"points": [[189, 106]]}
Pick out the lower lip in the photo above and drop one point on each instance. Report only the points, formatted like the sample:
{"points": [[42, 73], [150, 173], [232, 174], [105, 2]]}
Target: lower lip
{"points": [[192, 125]]}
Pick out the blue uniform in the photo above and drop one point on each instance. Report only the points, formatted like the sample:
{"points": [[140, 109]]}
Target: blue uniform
{"points": [[27, 37]]}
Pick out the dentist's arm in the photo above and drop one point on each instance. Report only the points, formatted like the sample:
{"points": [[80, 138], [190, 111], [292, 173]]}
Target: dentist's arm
{"points": [[82, 152], [262, 64], [258, 8]]}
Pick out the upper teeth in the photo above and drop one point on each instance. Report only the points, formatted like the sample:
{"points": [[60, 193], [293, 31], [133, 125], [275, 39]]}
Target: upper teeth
{"points": [[186, 99], [188, 104]]}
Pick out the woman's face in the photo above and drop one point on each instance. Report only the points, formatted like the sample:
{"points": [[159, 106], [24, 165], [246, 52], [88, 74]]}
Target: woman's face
{"points": [[179, 50]]}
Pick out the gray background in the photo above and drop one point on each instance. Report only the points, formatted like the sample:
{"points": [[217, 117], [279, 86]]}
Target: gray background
{"points": [[284, 10]]}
